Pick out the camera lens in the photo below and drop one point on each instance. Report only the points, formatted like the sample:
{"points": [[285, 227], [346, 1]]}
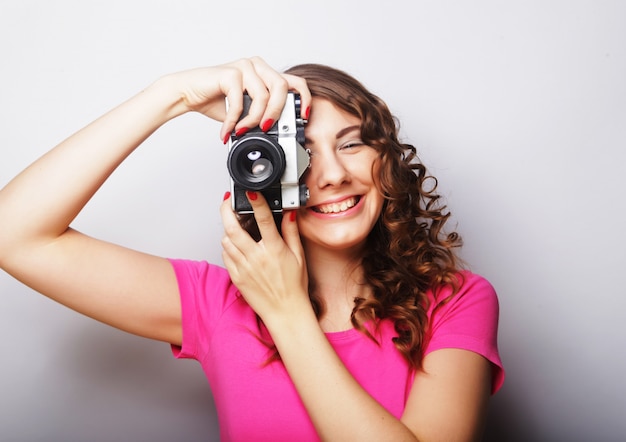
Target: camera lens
{"points": [[256, 162], [259, 166]]}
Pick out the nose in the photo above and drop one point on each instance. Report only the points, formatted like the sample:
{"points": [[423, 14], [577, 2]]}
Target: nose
{"points": [[327, 169]]}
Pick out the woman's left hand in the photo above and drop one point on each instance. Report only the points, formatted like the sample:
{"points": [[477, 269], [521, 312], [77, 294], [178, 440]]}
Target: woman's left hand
{"points": [[270, 274]]}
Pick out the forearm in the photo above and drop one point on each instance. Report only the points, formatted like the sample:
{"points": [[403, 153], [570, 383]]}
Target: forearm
{"points": [[339, 407], [41, 202]]}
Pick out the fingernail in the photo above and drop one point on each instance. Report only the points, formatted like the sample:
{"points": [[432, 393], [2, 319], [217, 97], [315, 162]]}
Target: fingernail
{"points": [[267, 125], [241, 131], [307, 112], [226, 195], [292, 216], [226, 137], [252, 196]]}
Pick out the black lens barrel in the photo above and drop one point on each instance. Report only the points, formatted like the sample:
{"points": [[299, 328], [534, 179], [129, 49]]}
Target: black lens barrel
{"points": [[241, 161]]}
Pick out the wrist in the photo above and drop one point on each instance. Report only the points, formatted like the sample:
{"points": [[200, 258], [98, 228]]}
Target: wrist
{"points": [[166, 96], [291, 325]]}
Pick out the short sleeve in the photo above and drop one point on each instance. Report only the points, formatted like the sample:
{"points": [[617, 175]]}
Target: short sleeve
{"points": [[469, 321], [205, 293]]}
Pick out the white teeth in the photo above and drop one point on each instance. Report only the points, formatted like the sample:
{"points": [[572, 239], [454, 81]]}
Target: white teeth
{"points": [[337, 207]]}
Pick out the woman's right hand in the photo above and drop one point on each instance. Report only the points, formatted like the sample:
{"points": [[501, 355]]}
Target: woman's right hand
{"points": [[204, 89]]}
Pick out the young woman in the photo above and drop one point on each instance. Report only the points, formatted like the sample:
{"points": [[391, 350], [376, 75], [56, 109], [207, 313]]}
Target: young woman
{"points": [[355, 323]]}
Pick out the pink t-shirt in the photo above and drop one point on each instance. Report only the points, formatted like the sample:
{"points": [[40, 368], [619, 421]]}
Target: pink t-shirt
{"points": [[258, 401]]}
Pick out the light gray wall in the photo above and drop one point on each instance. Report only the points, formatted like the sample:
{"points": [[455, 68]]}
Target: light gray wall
{"points": [[519, 108]]}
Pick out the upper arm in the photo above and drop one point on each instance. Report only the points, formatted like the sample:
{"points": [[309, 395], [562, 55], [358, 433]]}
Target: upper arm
{"points": [[449, 396], [129, 290]]}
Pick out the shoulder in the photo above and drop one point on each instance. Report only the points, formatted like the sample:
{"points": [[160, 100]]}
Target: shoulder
{"points": [[206, 293], [467, 319], [192, 273], [204, 287], [473, 292]]}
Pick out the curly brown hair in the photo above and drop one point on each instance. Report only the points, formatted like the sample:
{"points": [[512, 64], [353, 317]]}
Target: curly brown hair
{"points": [[407, 253]]}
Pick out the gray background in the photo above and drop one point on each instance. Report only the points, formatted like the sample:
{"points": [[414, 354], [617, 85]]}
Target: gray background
{"points": [[519, 108]]}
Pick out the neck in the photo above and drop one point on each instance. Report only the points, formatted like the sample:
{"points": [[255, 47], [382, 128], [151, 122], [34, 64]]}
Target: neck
{"points": [[337, 278]]}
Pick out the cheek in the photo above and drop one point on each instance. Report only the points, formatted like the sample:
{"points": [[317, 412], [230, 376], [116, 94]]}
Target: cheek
{"points": [[375, 171], [377, 206], [375, 177]]}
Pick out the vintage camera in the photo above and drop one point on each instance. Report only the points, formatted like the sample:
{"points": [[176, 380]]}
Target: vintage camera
{"points": [[270, 162]]}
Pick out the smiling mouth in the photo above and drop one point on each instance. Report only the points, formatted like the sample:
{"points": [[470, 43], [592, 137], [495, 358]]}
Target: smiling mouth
{"points": [[339, 207]]}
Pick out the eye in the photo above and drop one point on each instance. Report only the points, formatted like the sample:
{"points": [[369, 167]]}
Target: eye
{"points": [[352, 144]]}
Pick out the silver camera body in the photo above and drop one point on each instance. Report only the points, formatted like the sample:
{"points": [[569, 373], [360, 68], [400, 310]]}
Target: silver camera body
{"points": [[271, 162]]}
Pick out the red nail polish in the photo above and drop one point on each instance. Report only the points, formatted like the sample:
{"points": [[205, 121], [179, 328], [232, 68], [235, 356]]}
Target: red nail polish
{"points": [[226, 138], [241, 131], [226, 195], [267, 125], [307, 112], [252, 196], [292, 216]]}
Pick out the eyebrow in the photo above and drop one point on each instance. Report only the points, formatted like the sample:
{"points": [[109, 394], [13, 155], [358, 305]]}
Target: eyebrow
{"points": [[341, 133]]}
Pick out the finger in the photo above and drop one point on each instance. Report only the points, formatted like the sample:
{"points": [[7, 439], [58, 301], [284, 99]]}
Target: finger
{"points": [[299, 85], [234, 97], [277, 86], [254, 85], [263, 216], [257, 88], [232, 228], [239, 77], [231, 84], [229, 258], [291, 234]]}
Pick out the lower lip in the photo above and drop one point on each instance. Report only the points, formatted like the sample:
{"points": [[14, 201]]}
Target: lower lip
{"points": [[348, 212]]}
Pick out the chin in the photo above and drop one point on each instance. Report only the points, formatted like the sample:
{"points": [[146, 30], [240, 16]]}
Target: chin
{"points": [[332, 238]]}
